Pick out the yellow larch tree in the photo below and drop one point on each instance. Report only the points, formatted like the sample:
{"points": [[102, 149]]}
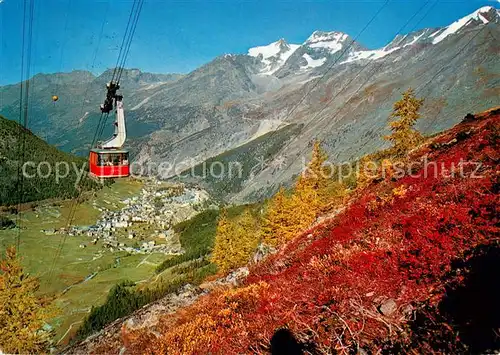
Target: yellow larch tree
{"points": [[221, 252], [22, 313], [278, 223], [319, 187], [406, 113], [316, 173], [315, 188], [245, 239], [305, 202], [235, 241]]}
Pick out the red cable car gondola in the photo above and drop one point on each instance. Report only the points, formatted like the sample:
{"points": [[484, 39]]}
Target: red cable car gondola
{"points": [[109, 163], [109, 160]]}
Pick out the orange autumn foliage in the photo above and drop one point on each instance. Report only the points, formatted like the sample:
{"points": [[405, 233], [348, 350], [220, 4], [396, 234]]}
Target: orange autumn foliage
{"points": [[397, 239]]}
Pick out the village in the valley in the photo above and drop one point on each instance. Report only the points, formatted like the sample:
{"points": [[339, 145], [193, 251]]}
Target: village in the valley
{"points": [[144, 224]]}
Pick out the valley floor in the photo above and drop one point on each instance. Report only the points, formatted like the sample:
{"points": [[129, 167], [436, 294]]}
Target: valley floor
{"points": [[83, 274]]}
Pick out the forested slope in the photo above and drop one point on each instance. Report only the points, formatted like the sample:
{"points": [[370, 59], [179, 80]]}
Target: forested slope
{"points": [[48, 172]]}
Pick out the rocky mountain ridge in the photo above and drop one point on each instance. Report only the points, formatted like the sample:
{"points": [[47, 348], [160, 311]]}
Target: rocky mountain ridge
{"points": [[338, 90], [321, 46]]}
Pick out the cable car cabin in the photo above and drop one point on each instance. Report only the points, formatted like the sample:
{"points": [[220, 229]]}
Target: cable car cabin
{"points": [[109, 163]]}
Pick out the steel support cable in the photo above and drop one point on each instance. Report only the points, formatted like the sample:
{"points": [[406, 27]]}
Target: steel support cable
{"points": [[427, 127], [71, 215], [72, 208], [28, 11], [21, 96], [73, 201], [327, 71], [367, 141], [364, 67], [302, 151], [443, 50], [316, 83], [358, 73], [103, 126], [375, 67], [132, 33], [102, 119], [124, 50], [97, 134], [101, 33], [118, 60], [64, 39], [428, 82], [448, 66]]}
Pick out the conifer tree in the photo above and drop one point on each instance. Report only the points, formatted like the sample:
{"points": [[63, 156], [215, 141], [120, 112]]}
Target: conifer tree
{"points": [[244, 239], [22, 312], [305, 202], [321, 179], [316, 173], [287, 216], [235, 241], [277, 225], [314, 189], [222, 246], [367, 171], [406, 112]]}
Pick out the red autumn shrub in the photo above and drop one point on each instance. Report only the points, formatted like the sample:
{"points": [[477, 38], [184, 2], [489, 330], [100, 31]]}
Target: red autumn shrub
{"points": [[352, 281]]}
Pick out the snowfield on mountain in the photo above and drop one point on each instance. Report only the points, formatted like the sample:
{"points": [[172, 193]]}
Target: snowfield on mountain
{"points": [[218, 107]]}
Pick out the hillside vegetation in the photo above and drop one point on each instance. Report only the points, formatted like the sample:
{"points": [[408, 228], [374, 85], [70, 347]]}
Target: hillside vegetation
{"points": [[226, 173], [344, 101], [403, 266], [18, 146], [192, 267], [22, 312]]}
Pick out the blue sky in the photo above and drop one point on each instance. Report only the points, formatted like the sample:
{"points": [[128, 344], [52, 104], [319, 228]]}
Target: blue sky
{"points": [[178, 36]]}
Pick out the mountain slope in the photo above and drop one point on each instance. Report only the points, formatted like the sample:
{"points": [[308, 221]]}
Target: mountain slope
{"points": [[70, 122], [338, 90], [406, 267], [348, 111], [41, 180], [349, 106]]}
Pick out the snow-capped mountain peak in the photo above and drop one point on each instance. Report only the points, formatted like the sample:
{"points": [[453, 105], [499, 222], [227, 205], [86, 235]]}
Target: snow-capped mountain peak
{"points": [[282, 59], [273, 55], [270, 50], [484, 15], [480, 17], [321, 36], [331, 41]]}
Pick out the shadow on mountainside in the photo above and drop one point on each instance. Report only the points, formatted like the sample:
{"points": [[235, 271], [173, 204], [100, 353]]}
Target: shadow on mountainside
{"points": [[283, 342], [473, 309], [467, 320]]}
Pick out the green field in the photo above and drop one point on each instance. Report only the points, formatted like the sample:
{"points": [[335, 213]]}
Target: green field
{"points": [[81, 278], [75, 264]]}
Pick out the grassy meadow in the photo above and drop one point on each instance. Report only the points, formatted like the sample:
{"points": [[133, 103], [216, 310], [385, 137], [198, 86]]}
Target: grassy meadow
{"points": [[74, 294]]}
